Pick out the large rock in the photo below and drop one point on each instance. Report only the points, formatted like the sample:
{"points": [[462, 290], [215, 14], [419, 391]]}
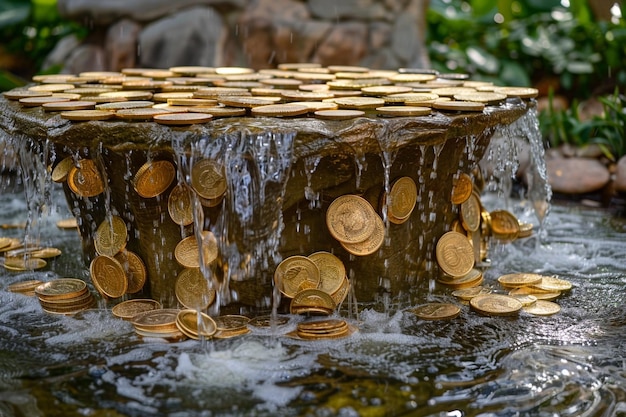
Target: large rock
{"points": [[192, 37], [576, 175], [344, 45], [122, 39], [352, 9], [408, 37], [620, 175]]}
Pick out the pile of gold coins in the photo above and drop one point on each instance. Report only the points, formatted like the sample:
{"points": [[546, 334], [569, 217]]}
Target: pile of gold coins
{"points": [[17, 257], [316, 284], [322, 329], [64, 296], [186, 95]]}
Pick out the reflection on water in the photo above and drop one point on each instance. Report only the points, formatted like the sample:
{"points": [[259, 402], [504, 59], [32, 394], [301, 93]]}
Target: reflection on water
{"points": [[570, 364]]}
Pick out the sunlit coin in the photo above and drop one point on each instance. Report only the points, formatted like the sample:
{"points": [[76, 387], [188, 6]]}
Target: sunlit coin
{"points": [[230, 326], [436, 311], [454, 254], [543, 308], [525, 299], [495, 305]]}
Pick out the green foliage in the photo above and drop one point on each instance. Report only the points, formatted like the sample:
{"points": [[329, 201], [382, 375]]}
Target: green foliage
{"points": [[609, 131]]}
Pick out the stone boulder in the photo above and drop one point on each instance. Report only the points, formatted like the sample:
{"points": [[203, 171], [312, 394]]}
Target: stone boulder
{"points": [[576, 175], [620, 175]]}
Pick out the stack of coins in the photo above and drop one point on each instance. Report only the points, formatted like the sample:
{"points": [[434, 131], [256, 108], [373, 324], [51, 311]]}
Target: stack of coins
{"points": [[64, 296], [160, 323], [130, 308], [322, 329], [316, 284], [26, 287], [231, 326], [355, 224], [541, 290], [195, 324]]}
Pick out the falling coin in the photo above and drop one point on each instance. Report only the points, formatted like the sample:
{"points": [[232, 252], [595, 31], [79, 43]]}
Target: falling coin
{"points": [[153, 178], [108, 276]]}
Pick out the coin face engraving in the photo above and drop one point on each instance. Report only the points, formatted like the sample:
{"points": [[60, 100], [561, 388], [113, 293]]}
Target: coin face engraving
{"points": [[84, 179], [470, 213], [350, 219], [462, 189], [208, 179], [436, 311], [153, 178], [455, 254], [108, 276], [496, 304], [295, 274]]}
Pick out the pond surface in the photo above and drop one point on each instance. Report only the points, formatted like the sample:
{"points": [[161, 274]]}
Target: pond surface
{"points": [[569, 364]]}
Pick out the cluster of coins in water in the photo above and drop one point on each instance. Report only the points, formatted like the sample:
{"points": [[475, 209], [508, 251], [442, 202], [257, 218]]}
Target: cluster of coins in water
{"points": [[17, 257], [459, 250], [186, 95]]}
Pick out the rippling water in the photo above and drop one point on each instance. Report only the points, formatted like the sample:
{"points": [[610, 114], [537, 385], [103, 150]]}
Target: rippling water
{"points": [[570, 364]]}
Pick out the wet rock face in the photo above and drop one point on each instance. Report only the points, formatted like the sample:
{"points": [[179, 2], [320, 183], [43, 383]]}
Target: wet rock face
{"points": [[257, 34], [282, 175]]}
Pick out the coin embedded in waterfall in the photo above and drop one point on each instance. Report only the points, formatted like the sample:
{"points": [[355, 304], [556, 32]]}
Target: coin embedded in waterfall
{"points": [[470, 213], [504, 225], [295, 274], [130, 308], [134, 268], [195, 324], [462, 189], [208, 179], [187, 251], [495, 304], [192, 289], [454, 254], [402, 200], [110, 236], [332, 271], [370, 245], [153, 178], [350, 219], [84, 179], [179, 204], [62, 169], [436, 311], [108, 276]]}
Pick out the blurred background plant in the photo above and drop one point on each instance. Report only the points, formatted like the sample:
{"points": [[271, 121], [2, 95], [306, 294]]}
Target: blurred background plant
{"points": [[29, 31]]}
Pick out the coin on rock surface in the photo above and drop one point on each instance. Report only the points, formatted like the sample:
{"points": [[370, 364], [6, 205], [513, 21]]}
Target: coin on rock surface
{"points": [[208, 178], [467, 294], [537, 293], [543, 308], [16, 94], [504, 225], [455, 254], [182, 118], [69, 105], [525, 299], [84, 179], [295, 274], [470, 213], [179, 204], [551, 283], [403, 111], [519, 280], [458, 105], [153, 178], [436, 311], [521, 92], [87, 115], [130, 308], [187, 251], [108, 276], [280, 110], [341, 114], [110, 236], [402, 199], [495, 304], [134, 268], [350, 219], [462, 189], [332, 271], [192, 289], [371, 244]]}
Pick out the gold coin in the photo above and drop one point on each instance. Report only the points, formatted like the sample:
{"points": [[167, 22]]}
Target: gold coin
{"points": [[192, 289], [125, 105], [332, 271], [521, 92], [384, 90], [182, 118], [52, 88], [470, 213], [467, 294], [86, 115], [46, 253], [322, 326], [462, 189], [130, 308], [436, 311], [314, 106], [458, 105], [218, 92], [191, 102], [268, 321], [342, 114], [481, 97], [84, 179], [70, 223], [108, 276], [550, 283], [340, 295], [412, 78], [62, 288], [179, 204], [495, 304], [25, 287], [79, 300], [192, 69], [140, 114], [208, 179], [350, 219], [20, 263], [525, 299], [69, 105], [359, 103], [403, 111], [312, 299], [504, 225], [62, 169], [369, 245], [17, 94], [537, 293], [305, 96], [132, 95], [471, 279], [153, 178], [195, 324], [542, 308], [295, 274], [156, 320], [187, 251], [247, 101], [402, 196], [280, 110], [231, 325], [519, 280], [38, 101], [134, 268], [455, 254], [221, 111], [412, 99], [110, 236], [525, 229]]}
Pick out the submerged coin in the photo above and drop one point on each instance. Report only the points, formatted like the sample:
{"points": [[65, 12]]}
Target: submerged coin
{"points": [[208, 178], [195, 324], [153, 178], [350, 219], [495, 304], [436, 311], [455, 254]]}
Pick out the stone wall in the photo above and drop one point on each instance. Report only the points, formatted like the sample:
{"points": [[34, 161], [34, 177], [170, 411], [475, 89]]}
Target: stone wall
{"points": [[382, 34]]}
